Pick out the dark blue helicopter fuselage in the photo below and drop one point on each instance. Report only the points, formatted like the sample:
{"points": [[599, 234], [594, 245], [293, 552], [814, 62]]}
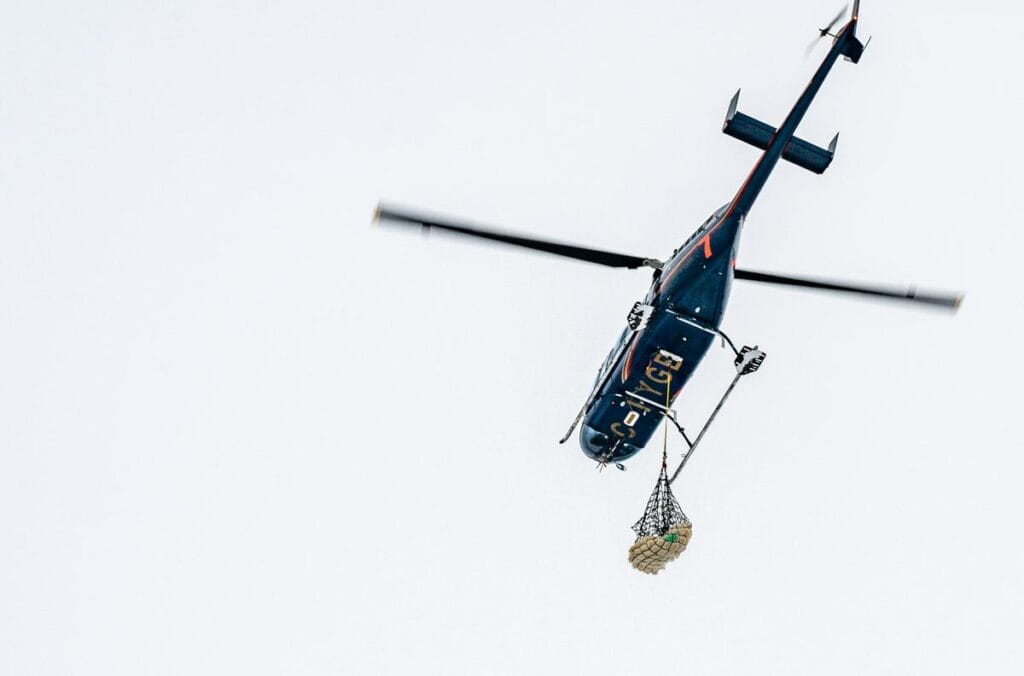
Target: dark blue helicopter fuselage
{"points": [[649, 367], [685, 306]]}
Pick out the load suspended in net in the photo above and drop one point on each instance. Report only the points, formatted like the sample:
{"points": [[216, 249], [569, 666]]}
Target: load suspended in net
{"points": [[663, 532]]}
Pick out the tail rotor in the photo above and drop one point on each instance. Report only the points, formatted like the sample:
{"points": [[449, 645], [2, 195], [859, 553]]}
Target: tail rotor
{"points": [[827, 30]]}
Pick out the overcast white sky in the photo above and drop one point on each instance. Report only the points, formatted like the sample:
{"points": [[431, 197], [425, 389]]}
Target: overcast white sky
{"points": [[244, 432]]}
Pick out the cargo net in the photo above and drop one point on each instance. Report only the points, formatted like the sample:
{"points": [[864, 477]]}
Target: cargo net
{"points": [[663, 532]]}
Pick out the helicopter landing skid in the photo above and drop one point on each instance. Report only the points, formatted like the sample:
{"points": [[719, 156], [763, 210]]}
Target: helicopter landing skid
{"points": [[748, 360]]}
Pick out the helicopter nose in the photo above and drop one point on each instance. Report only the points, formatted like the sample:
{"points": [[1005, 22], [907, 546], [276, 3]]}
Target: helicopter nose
{"points": [[604, 447]]}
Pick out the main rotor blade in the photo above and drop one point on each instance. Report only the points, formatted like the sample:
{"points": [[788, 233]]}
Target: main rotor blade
{"points": [[939, 300], [609, 258]]}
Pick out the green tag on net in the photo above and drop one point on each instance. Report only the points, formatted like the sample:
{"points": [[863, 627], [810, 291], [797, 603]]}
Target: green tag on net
{"points": [[671, 537]]}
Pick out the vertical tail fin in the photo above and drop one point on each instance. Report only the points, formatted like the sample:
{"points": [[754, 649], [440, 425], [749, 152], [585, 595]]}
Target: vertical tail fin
{"points": [[853, 48]]}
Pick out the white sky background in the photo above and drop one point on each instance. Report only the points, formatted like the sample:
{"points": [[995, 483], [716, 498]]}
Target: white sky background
{"points": [[244, 432]]}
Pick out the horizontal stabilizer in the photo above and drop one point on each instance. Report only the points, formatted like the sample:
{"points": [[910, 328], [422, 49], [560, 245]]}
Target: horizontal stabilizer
{"points": [[756, 133]]}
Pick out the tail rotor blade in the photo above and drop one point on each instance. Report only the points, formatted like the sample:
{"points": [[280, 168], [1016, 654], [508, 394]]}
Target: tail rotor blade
{"points": [[385, 215], [822, 32], [949, 302], [811, 46], [834, 21]]}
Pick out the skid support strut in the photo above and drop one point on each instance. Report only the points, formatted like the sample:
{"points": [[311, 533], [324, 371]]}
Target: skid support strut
{"points": [[747, 361]]}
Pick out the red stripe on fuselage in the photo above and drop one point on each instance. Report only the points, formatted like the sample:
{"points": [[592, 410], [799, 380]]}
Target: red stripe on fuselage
{"points": [[624, 376], [707, 236]]}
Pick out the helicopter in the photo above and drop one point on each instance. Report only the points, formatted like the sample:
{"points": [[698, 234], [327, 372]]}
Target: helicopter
{"points": [[669, 332]]}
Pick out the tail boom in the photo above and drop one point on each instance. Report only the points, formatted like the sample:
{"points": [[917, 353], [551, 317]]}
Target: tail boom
{"points": [[782, 141]]}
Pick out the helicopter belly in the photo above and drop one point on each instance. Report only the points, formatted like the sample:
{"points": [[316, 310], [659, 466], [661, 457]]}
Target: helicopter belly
{"points": [[661, 357], [698, 281], [660, 361]]}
